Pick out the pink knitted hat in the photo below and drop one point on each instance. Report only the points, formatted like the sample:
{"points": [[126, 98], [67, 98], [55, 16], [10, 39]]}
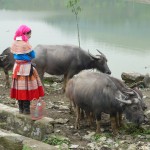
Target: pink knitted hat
{"points": [[21, 31]]}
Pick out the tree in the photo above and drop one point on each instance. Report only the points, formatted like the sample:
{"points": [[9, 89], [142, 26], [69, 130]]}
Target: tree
{"points": [[75, 8]]}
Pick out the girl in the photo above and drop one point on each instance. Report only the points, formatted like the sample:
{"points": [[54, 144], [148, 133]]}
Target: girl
{"points": [[26, 84]]}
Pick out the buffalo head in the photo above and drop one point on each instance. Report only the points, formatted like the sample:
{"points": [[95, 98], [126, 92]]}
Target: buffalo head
{"points": [[132, 107], [2, 57], [100, 62]]}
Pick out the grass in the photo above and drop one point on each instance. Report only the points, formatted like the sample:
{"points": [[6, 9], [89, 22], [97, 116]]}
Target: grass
{"points": [[26, 148], [96, 137], [56, 140], [135, 131]]}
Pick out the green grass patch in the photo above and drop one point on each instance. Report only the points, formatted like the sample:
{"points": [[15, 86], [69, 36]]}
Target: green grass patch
{"points": [[26, 148], [134, 130], [96, 137], [56, 140]]}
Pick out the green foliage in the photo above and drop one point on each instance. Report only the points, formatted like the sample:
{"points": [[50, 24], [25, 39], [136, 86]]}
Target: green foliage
{"points": [[96, 137], [134, 130], [73, 4], [75, 7], [56, 140], [26, 148]]}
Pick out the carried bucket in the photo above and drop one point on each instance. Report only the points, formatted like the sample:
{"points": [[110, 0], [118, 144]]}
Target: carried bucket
{"points": [[37, 109]]}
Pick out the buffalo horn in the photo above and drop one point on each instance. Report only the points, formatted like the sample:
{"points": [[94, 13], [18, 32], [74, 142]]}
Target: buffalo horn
{"points": [[119, 98], [124, 101], [101, 53], [128, 92], [139, 97], [94, 57]]}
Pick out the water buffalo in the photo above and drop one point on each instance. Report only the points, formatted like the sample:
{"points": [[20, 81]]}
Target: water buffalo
{"points": [[130, 93], [59, 60], [7, 63], [96, 92], [67, 60]]}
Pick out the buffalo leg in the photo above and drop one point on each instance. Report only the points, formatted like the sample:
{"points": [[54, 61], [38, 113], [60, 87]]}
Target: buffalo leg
{"points": [[89, 116], [117, 120], [65, 82], [82, 114], [120, 119], [72, 106], [98, 124], [77, 123], [7, 85], [114, 125]]}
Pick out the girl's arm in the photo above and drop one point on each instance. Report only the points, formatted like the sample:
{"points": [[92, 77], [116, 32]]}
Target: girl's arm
{"points": [[32, 54]]}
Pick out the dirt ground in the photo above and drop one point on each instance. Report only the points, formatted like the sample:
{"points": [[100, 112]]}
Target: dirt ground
{"points": [[55, 102]]}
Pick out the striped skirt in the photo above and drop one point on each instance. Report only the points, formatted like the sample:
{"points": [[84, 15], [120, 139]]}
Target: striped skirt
{"points": [[27, 87]]}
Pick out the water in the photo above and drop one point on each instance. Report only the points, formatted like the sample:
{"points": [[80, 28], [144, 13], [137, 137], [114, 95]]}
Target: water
{"points": [[118, 29]]}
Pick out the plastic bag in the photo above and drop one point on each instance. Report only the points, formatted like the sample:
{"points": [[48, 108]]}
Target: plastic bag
{"points": [[37, 109]]}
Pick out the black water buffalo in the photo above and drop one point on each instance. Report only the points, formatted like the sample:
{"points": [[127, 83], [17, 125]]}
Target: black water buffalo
{"points": [[96, 92], [7, 63], [58, 60], [67, 60]]}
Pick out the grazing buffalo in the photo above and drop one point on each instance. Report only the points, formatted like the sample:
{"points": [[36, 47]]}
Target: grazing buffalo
{"points": [[67, 60], [130, 93], [7, 63], [96, 92]]}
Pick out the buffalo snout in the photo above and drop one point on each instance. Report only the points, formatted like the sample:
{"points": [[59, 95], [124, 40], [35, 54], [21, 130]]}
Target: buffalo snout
{"points": [[140, 120], [108, 72]]}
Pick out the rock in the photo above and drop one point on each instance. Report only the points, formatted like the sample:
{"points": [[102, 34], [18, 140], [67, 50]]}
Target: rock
{"points": [[74, 146], [92, 145], [88, 137], [146, 81], [64, 146], [61, 121], [53, 78], [62, 107], [10, 142], [132, 147], [2, 147], [133, 79], [136, 79]]}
